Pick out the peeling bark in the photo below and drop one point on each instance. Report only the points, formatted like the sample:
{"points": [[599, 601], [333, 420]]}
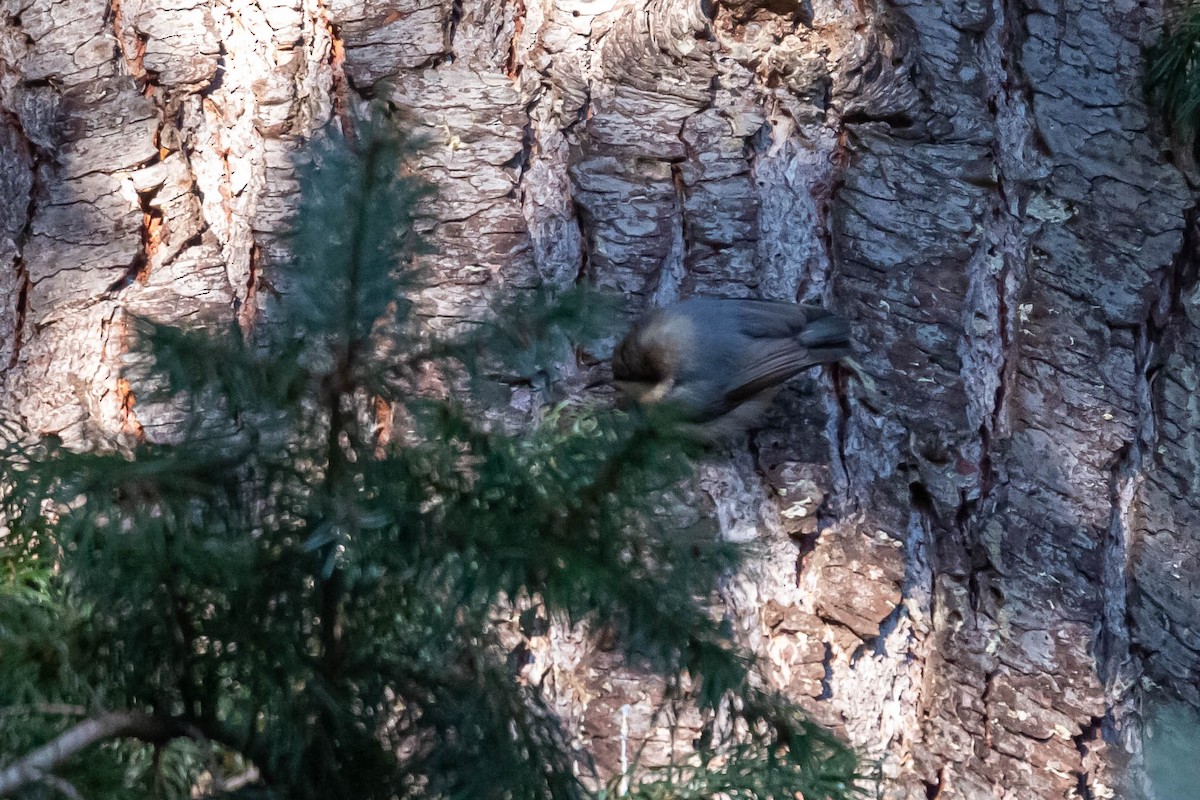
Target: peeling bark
{"points": [[977, 571]]}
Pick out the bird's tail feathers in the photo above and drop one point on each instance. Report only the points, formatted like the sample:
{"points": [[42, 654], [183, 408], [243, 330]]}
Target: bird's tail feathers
{"points": [[827, 333]]}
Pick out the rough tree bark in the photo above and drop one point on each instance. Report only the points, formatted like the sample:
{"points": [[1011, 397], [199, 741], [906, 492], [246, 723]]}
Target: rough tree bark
{"points": [[976, 573]]}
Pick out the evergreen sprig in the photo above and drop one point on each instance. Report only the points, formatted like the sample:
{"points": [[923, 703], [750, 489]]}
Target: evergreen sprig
{"points": [[1172, 71], [304, 598]]}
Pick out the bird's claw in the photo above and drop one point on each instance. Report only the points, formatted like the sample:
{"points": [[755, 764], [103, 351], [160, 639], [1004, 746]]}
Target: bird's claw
{"points": [[856, 369]]}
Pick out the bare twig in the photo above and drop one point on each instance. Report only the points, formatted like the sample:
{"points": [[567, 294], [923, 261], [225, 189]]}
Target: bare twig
{"points": [[36, 765], [62, 786]]}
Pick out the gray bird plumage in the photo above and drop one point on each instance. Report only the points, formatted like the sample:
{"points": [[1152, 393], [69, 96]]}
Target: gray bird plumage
{"points": [[720, 362]]}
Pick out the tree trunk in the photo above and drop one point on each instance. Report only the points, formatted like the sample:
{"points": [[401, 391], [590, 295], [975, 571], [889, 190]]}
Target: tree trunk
{"points": [[976, 570]]}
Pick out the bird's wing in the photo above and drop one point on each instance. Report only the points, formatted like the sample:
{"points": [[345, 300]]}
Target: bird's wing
{"points": [[769, 363], [772, 319], [784, 339]]}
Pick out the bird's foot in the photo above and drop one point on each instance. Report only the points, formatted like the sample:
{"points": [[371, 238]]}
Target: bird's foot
{"points": [[870, 392]]}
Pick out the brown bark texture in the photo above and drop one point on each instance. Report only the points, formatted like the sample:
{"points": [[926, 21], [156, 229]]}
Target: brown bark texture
{"points": [[979, 570]]}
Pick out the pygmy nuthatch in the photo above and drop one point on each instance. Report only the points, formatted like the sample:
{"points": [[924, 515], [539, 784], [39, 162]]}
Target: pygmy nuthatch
{"points": [[720, 362]]}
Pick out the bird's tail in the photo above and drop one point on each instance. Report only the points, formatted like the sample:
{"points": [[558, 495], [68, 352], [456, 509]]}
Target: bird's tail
{"points": [[827, 338]]}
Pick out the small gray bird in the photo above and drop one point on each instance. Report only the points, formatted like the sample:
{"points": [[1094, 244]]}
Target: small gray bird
{"points": [[720, 362]]}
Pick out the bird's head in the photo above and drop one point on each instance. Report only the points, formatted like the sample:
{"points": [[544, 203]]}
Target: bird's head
{"points": [[646, 362]]}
